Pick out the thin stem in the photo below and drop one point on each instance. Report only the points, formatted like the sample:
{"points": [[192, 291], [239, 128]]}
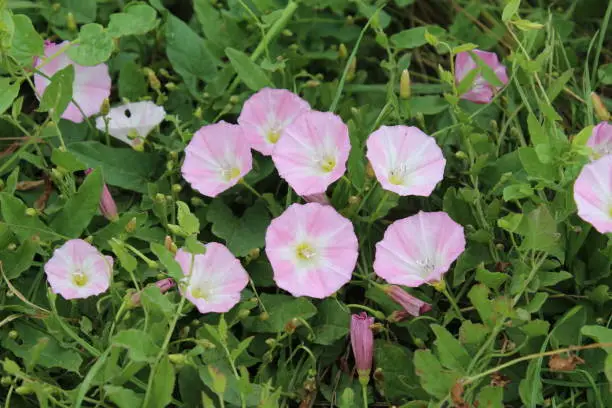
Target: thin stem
{"points": [[452, 301], [250, 188], [364, 394], [379, 315]]}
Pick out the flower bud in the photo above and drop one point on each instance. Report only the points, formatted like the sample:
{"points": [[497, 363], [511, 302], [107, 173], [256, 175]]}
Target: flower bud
{"points": [[350, 74], [170, 245], [171, 86], [131, 226], [405, 85], [105, 108], [264, 316], [24, 389], [370, 171], [342, 51], [6, 381], [31, 212], [71, 22], [178, 359], [13, 334], [600, 109], [164, 285], [152, 78], [176, 188], [271, 342], [292, 325], [198, 113], [362, 343], [411, 304], [244, 313]]}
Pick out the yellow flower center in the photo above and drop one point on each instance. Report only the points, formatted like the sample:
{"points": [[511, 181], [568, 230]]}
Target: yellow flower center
{"points": [[327, 164], [230, 173], [397, 176], [305, 252], [79, 279], [273, 135], [200, 293]]}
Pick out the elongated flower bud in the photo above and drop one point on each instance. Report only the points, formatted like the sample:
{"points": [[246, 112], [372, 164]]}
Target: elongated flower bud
{"points": [[405, 84], [411, 305], [362, 342], [108, 208], [164, 285], [600, 109]]}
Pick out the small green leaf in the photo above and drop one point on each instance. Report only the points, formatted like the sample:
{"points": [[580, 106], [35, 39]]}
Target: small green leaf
{"points": [[19, 261], [281, 310], [8, 93], [414, 37], [450, 351], [139, 344], [27, 43], [167, 259], [132, 84], [244, 344], [95, 46], [123, 397], [435, 379], [187, 221], [250, 73], [163, 384], [491, 397], [136, 19], [493, 280], [331, 323], [23, 225], [127, 260], [58, 94], [510, 10]]}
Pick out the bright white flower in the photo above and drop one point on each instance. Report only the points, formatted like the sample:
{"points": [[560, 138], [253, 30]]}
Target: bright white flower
{"points": [[132, 122]]}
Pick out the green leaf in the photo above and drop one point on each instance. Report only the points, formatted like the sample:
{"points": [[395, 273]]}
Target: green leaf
{"points": [[167, 259], [67, 160], [240, 234], [242, 347], [123, 397], [450, 351], [23, 225], [80, 208], [517, 192], [540, 232], [530, 388], [534, 167], [473, 334], [558, 84], [583, 136], [27, 43], [7, 28], [281, 310], [132, 83], [122, 167], [95, 46], [37, 346], [187, 52], [604, 73], [84, 11], [136, 19], [8, 93], [140, 345], [187, 221], [414, 37], [152, 299], [492, 280], [536, 131], [487, 72], [396, 362], [250, 73], [58, 94], [435, 379], [510, 10], [331, 323], [600, 334], [16, 262], [491, 397], [163, 384]]}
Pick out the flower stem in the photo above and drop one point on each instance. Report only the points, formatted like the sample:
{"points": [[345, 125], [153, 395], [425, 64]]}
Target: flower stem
{"points": [[453, 302], [364, 394], [250, 188]]}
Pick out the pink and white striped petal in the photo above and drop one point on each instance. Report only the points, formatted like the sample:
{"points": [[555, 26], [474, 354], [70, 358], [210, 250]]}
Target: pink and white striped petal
{"points": [[481, 91], [593, 194]]}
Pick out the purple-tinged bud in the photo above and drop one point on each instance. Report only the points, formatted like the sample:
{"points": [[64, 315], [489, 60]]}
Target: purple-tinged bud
{"points": [[411, 304], [362, 342], [164, 285], [108, 208], [320, 198]]}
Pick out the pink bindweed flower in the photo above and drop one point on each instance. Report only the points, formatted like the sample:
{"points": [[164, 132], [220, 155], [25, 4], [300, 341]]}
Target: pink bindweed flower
{"points": [[593, 194], [78, 270], [108, 208], [601, 140], [213, 280], [362, 343], [164, 285], [131, 123], [91, 85], [412, 305], [320, 198], [481, 91], [216, 158], [312, 152], [405, 160], [312, 249], [419, 249], [265, 115]]}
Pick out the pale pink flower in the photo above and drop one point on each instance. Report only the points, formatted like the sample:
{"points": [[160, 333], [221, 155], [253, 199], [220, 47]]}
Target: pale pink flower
{"points": [[362, 343], [320, 198], [78, 270], [216, 158], [108, 208], [91, 84], [265, 115], [593, 194], [164, 285], [601, 140], [419, 249], [412, 305], [131, 123], [312, 152], [481, 91], [213, 280], [405, 160], [312, 249]]}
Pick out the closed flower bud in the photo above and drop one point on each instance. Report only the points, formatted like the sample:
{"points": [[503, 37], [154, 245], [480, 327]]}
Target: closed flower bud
{"points": [[176, 188], [350, 74], [244, 313], [198, 113], [164, 285], [108, 208], [264, 316], [24, 389], [131, 226], [31, 212], [170, 245], [362, 343], [6, 381], [405, 85], [71, 22], [342, 51], [171, 86], [412, 305], [13, 334], [178, 359], [600, 109], [370, 171], [152, 78]]}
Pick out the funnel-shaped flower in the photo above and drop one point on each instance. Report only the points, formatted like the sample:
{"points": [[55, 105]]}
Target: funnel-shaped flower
{"points": [[132, 122], [312, 152], [78, 270], [216, 158], [405, 160], [601, 140], [593, 194], [412, 305], [213, 280], [265, 115], [91, 84], [481, 91], [419, 249], [312, 249], [362, 343]]}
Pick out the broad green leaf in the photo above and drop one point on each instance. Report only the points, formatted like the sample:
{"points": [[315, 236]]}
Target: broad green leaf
{"points": [[427, 105], [530, 388], [140, 345], [132, 83], [240, 234], [400, 380], [281, 310], [450, 351], [14, 263], [540, 232], [123, 397], [136, 19], [414, 37], [510, 10], [517, 192], [491, 397], [27, 43], [536, 130], [122, 167], [95, 46], [473, 334], [80, 208], [163, 384], [604, 73], [23, 225], [84, 11], [492, 280], [7, 28], [600, 334], [153, 300], [58, 94], [187, 221], [8, 92], [331, 323], [557, 86], [435, 379], [167, 259], [67, 160], [583, 136], [534, 167], [250, 73], [126, 260]]}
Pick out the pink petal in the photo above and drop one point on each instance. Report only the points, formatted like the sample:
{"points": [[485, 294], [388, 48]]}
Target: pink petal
{"points": [[593, 194]]}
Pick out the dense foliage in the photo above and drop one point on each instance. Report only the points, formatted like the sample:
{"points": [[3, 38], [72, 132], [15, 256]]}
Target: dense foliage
{"points": [[520, 318]]}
